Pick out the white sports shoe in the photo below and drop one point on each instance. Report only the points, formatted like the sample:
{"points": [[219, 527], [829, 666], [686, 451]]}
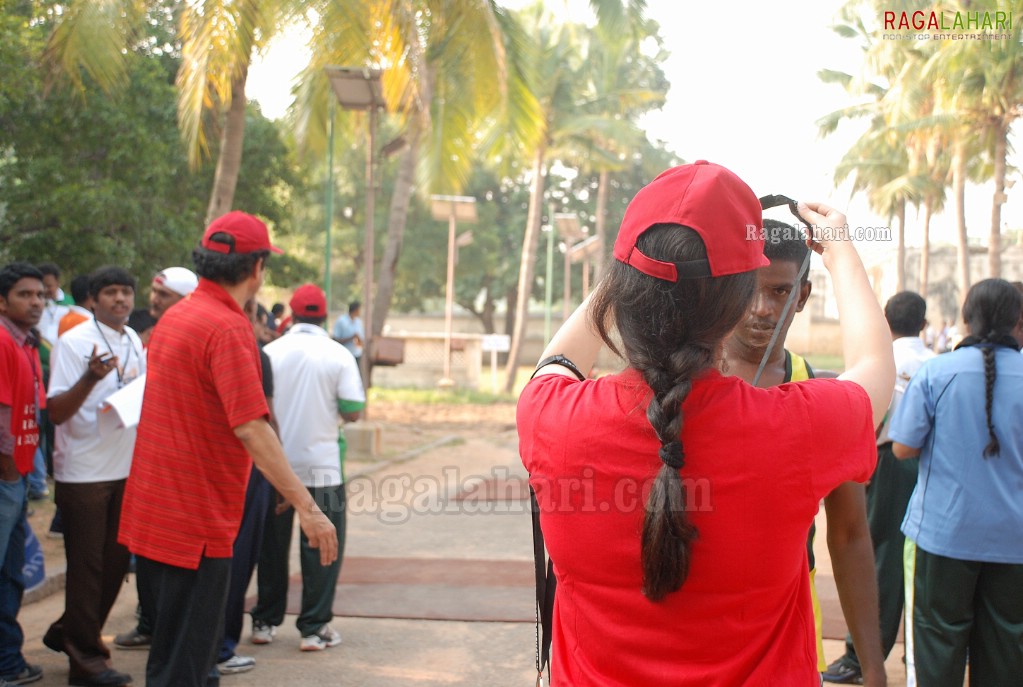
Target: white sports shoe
{"points": [[324, 638], [236, 664], [262, 633]]}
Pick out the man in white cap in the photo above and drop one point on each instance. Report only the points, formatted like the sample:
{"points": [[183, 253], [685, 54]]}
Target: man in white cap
{"points": [[169, 286]]}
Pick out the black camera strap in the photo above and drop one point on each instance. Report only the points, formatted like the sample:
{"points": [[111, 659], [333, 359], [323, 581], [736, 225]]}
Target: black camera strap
{"points": [[546, 585], [766, 203]]}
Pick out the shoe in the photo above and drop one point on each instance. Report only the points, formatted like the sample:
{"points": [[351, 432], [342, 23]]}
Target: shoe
{"points": [[324, 638], [841, 673], [54, 640], [133, 639], [262, 633], [108, 678], [236, 664], [38, 495], [31, 673]]}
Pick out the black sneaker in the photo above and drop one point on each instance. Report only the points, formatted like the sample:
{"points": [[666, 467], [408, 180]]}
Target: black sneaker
{"points": [[841, 673], [31, 673]]}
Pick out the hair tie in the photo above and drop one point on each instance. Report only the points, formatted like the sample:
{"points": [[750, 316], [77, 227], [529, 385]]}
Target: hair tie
{"points": [[672, 455]]}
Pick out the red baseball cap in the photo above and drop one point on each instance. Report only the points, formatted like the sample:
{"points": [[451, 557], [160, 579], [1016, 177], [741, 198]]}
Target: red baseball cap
{"points": [[249, 234], [712, 201], [308, 301]]}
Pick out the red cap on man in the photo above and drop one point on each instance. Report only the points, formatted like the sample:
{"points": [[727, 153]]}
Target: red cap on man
{"points": [[308, 301], [243, 234], [708, 199]]}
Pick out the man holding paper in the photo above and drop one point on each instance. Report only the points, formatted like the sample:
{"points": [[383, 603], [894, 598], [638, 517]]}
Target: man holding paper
{"points": [[91, 362]]}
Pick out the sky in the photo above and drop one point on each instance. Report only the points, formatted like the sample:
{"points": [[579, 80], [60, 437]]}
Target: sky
{"points": [[744, 93]]}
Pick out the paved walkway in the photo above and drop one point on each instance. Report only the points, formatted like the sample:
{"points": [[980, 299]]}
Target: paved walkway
{"points": [[438, 570]]}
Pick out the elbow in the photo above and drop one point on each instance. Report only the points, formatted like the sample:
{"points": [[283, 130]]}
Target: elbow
{"points": [[352, 417], [901, 451]]}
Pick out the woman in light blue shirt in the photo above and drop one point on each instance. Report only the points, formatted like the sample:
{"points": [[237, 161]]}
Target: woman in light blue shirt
{"points": [[963, 415]]}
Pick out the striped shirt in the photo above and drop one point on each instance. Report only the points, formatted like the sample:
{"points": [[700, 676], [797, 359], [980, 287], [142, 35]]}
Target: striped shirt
{"points": [[185, 493]]}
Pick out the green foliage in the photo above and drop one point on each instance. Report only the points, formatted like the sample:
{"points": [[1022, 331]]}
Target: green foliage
{"points": [[91, 178]]}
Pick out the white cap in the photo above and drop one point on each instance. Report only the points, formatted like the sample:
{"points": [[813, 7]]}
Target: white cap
{"points": [[180, 280]]}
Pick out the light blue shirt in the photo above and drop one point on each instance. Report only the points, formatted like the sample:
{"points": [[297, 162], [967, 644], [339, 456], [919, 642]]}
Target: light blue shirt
{"points": [[965, 506], [344, 328]]}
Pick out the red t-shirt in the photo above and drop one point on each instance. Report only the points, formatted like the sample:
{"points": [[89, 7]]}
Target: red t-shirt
{"points": [[186, 489], [20, 375], [757, 464]]}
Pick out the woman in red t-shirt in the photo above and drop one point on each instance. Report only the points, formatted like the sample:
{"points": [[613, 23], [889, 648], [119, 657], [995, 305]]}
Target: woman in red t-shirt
{"points": [[674, 501]]}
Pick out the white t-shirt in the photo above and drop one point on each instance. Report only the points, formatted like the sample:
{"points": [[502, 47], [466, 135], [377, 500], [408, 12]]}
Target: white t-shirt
{"points": [[312, 372], [910, 354], [49, 323], [81, 453]]}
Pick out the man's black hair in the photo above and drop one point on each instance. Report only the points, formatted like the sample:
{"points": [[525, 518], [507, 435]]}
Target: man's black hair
{"points": [[226, 269], [80, 289], [353, 306], [277, 309], [110, 276], [906, 313], [14, 272], [785, 242], [306, 319], [49, 268], [140, 320]]}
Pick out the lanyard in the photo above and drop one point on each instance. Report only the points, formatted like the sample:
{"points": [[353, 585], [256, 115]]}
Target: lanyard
{"points": [[124, 366]]}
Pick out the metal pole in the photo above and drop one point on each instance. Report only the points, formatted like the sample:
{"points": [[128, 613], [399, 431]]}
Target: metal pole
{"points": [[449, 299], [548, 286], [328, 212], [565, 309], [367, 297]]}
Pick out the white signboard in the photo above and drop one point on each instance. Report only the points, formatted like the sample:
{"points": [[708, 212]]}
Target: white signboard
{"points": [[498, 343]]}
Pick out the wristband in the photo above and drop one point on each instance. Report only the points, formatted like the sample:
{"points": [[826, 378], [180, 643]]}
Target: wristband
{"points": [[559, 360]]}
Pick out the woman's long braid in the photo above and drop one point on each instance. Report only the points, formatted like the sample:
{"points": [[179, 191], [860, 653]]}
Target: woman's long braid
{"points": [[667, 532], [669, 332], [991, 311], [990, 373]]}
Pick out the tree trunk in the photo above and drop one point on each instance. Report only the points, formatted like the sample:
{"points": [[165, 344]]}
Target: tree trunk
{"points": [[925, 248], [962, 241], [994, 244], [229, 162], [397, 219], [511, 298], [527, 265], [600, 222], [900, 249]]}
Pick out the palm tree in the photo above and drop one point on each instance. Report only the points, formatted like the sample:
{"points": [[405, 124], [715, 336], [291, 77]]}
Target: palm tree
{"points": [[589, 111], [448, 69], [217, 41], [556, 81], [984, 84]]}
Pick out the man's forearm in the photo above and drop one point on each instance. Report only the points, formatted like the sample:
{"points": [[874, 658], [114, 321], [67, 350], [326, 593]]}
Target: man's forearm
{"points": [[263, 445]]}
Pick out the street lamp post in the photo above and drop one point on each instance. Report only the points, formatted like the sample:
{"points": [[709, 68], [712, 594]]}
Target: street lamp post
{"points": [[358, 88], [451, 208], [571, 232]]}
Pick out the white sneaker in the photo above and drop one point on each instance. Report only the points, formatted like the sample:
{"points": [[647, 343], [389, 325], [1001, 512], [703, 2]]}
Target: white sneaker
{"points": [[324, 638], [262, 633], [236, 664]]}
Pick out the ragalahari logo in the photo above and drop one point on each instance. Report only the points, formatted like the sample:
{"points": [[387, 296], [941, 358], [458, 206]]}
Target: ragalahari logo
{"points": [[947, 21]]}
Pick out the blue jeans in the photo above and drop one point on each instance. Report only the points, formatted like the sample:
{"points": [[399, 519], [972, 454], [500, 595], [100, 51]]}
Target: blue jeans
{"points": [[12, 584], [37, 478]]}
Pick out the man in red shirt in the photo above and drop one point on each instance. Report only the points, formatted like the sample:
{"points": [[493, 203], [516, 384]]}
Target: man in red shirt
{"points": [[203, 425], [22, 298]]}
